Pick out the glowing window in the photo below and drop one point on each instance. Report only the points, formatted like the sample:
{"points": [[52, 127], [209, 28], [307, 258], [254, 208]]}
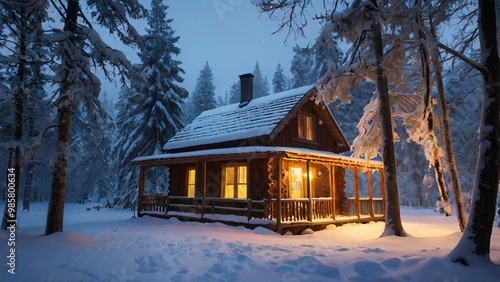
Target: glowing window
{"points": [[191, 182], [306, 127], [235, 181]]}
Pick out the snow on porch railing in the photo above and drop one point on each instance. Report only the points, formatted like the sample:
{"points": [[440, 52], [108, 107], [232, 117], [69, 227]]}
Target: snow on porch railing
{"points": [[364, 207], [292, 210], [154, 204], [302, 209], [162, 204]]}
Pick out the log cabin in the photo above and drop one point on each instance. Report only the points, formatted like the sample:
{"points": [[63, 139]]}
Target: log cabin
{"points": [[274, 161]]}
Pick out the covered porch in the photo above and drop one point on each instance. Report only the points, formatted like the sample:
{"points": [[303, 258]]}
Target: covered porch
{"points": [[293, 190]]}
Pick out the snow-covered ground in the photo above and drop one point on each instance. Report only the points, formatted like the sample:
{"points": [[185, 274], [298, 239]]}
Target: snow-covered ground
{"points": [[109, 245]]}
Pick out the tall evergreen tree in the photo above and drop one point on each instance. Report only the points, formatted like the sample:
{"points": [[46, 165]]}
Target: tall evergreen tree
{"points": [[301, 66], [77, 83], [22, 20], [309, 64], [149, 111], [235, 93], [204, 93], [279, 80], [260, 83]]}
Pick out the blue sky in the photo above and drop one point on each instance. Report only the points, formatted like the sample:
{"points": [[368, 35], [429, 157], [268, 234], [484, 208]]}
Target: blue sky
{"points": [[229, 34]]}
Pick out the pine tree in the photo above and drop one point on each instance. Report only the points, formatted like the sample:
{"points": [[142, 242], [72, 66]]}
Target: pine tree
{"points": [[309, 64], [260, 84], [150, 110], [22, 23], [301, 66], [235, 93], [77, 83], [204, 92], [279, 80], [222, 100]]}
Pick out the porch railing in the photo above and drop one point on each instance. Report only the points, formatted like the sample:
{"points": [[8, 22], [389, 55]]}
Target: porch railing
{"points": [[292, 210], [162, 204], [365, 206]]}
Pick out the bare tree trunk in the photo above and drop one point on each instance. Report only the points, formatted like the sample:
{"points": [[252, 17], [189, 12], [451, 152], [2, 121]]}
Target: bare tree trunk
{"points": [[393, 225], [429, 116], [55, 213], [456, 188], [30, 123], [475, 241]]}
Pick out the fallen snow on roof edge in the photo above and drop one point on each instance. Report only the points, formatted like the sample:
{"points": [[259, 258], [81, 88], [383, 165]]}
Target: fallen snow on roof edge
{"points": [[251, 149]]}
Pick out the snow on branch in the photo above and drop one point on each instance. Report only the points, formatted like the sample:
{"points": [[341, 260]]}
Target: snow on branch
{"points": [[114, 56], [410, 109]]}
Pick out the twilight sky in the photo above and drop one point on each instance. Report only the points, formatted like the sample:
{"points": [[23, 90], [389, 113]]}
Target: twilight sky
{"points": [[231, 35]]}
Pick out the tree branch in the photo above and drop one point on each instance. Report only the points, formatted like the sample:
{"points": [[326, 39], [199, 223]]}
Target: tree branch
{"points": [[462, 57]]}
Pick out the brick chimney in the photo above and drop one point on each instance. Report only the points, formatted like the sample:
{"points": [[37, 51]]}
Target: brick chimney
{"points": [[246, 84]]}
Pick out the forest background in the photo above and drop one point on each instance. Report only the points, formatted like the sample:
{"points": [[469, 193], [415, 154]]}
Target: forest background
{"points": [[105, 136]]}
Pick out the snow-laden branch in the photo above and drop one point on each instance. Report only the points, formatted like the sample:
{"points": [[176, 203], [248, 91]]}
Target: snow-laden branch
{"points": [[114, 56], [408, 108], [462, 57]]}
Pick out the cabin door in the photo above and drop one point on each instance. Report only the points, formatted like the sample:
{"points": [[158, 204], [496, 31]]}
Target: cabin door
{"points": [[297, 182]]}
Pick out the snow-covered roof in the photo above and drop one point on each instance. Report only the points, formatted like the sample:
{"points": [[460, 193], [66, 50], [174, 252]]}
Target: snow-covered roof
{"points": [[165, 159], [259, 118]]}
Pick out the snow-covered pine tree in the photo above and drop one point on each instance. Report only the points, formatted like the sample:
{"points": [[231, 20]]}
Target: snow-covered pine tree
{"points": [[37, 111], [301, 66], [149, 110], [235, 93], [21, 20], [279, 80], [261, 86], [77, 83], [310, 63], [222, 99], [204, 93], [89, 170]]}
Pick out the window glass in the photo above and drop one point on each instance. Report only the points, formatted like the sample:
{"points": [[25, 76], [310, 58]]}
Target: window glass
{"points": [[191, 182], [235, 181], [229, 182], [306, 127]]}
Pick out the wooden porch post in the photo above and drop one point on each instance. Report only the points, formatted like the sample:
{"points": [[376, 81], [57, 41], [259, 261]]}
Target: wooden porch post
{"points": [[278, 204], [332, 189], [142, 180], [204, 186], [370, 194], [356, 191], [309, 203]]}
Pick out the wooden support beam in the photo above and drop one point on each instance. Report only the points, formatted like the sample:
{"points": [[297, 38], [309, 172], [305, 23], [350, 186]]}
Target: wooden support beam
{"points": [[332, 189], [370, 194], [204, 186], [142, 181], [356, 191], [308, 185], [278, 204]]}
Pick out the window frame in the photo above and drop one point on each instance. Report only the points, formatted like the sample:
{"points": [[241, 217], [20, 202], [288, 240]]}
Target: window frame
{"points": [[235, 181], [188, 184], [304, 128]]}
